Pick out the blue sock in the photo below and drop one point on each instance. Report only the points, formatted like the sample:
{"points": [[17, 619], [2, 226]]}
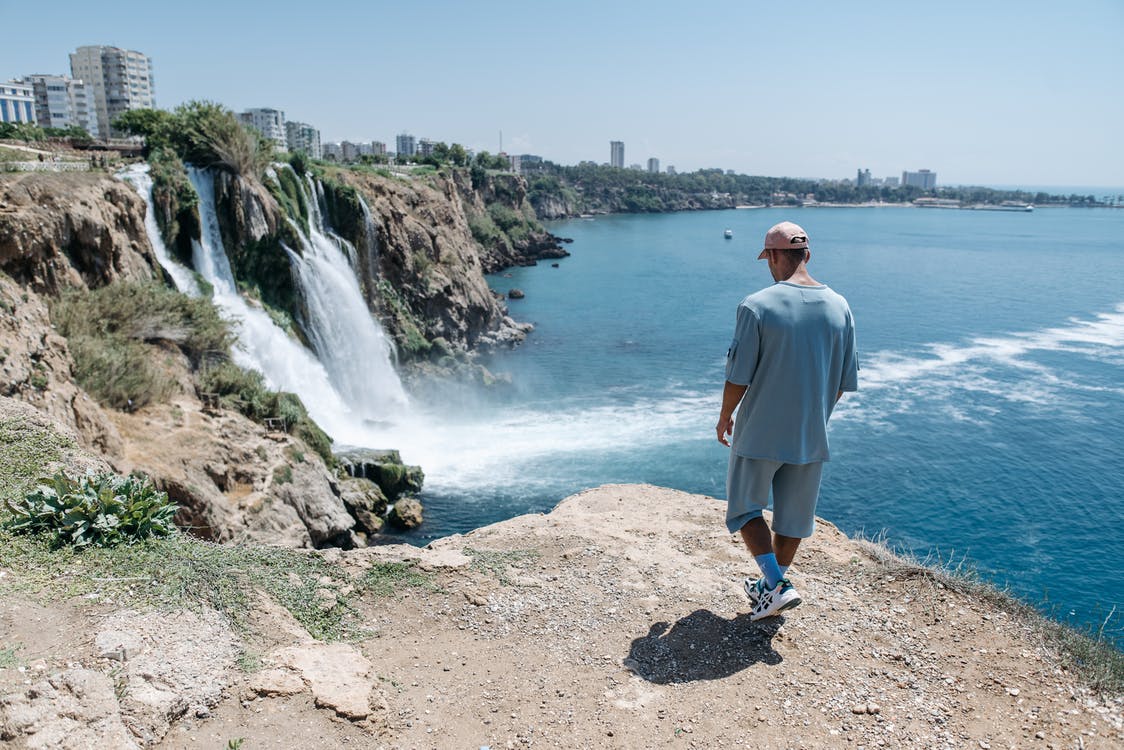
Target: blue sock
{"points": [[784, 570], [769, 568]]}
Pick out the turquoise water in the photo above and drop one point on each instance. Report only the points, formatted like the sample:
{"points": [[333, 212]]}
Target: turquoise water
{"points": [[990, 417]]}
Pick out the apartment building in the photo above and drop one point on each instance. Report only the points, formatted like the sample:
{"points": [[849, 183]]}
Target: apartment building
{"points": [[300, 136], [17, 102], [616, 154], [120, 80], [268, 122], [64, 102]]}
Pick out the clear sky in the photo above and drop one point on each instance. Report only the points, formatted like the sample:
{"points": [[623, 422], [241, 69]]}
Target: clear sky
{"points": [[982, 92]]}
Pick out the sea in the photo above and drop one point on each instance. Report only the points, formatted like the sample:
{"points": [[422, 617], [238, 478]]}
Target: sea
{"points": [[987, 434]]}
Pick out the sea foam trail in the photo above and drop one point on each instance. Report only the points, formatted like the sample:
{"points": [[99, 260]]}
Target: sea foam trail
{"points": [[1000, 366]]}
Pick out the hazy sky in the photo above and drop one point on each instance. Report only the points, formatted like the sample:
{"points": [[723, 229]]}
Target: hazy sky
{"points": [[981, 92]]}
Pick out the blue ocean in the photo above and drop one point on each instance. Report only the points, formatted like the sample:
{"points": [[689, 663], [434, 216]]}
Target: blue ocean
{"points": [[989, 425]]}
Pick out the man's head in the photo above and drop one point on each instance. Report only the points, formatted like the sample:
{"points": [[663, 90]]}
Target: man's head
{"points": [[786, 247]]}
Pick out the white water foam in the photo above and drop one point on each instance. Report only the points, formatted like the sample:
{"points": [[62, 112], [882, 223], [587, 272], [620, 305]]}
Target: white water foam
{"points": [[998, 366], [137, 175]]}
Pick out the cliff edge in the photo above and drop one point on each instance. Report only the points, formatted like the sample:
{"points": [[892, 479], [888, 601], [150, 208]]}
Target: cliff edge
{"points": [[616, 620]]}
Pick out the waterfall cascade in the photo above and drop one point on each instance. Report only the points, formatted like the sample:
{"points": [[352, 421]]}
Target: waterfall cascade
{"points": [[137, 175], [348, 341], [336, 396]]}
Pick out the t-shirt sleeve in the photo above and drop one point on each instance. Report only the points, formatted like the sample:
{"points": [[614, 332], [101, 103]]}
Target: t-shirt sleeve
{"points": [[741, 359], [850, 380]]}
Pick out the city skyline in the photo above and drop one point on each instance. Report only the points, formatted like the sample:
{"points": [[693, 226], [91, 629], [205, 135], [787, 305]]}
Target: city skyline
{"points": [[976, 92]]}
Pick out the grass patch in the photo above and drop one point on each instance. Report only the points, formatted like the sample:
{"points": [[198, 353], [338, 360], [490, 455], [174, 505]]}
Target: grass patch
{"points": [[1088, 653], [385, 579], [180, 571], [25, 453], [8, 658], [497, 562]]}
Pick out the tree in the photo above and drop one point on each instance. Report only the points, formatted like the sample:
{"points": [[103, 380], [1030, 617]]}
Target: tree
{"points": [[156, 126]]}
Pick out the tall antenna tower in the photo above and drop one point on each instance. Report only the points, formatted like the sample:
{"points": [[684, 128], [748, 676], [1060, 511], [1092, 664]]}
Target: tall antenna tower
{"points": [[501, 141]]}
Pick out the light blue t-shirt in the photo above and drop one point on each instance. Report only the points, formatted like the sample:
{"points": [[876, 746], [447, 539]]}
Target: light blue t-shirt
{"points": [[794, 346]]}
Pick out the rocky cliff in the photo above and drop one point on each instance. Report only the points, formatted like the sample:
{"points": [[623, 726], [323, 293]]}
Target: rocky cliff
{"points": [[232, 477]]}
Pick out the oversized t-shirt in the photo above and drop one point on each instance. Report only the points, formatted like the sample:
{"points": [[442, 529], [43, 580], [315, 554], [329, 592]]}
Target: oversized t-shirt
{"points": [[794, 347]]}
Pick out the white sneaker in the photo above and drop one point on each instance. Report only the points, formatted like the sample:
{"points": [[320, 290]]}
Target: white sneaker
{"points": [[775, 600], [753, 589]]}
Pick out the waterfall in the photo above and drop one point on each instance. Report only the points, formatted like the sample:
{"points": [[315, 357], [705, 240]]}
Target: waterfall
{"points": [[347, 339], [137, 175], [262, 345]]}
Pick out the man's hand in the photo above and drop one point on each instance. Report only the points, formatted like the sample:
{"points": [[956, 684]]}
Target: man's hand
{"points": [[724, 428], [731, 397]]}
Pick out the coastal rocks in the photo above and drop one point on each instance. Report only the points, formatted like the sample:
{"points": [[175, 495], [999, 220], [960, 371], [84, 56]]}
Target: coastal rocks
{"points": [[311, 491], [385, 469], [76, 708], [515, 294], [365, 502], [72, 229], [406, 513], [337, 675]]}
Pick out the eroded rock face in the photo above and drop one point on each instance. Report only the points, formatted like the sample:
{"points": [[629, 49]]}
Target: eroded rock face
{"points": [[233, 479], [35, 368], [72, 229], [76, 709], [385, 469]]}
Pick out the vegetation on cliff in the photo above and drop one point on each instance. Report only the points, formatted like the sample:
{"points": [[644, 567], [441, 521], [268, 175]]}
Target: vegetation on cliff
{"points": [[202, 133], [119, 336]]}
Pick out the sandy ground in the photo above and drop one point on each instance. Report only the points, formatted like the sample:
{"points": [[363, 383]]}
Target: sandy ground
{"points": [[617, 620]]}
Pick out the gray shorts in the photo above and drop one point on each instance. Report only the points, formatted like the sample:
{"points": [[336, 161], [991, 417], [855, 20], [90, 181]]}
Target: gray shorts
{"points": [[795, 487]]}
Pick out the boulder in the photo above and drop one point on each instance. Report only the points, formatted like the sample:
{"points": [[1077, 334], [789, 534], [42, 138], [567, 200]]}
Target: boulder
{"points": [[384, 468], [515, 294], [406, 513], [365, 502]]}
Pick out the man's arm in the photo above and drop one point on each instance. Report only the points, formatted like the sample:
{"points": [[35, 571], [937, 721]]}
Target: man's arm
{"points": [[731, 396]]}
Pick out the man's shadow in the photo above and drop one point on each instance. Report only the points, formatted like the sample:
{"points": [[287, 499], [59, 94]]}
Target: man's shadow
{"points": [[703, 646]]}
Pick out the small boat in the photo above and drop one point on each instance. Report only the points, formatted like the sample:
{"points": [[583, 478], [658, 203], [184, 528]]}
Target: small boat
{"points": [[729, 234]]}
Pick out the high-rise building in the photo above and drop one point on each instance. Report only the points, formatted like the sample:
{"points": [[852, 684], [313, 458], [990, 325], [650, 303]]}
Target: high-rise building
{"points": [[863, 177], [616, 154], [425, 147], [378, 148], [268, 122], [407, 145], [120, 80], [331, 151], [300, 136], [654, 165], [63, 102], [922, 178], [671, 169], [17, 102], [349, 151]]}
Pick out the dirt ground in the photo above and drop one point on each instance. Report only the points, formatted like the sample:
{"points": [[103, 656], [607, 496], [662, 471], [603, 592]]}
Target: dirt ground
{"points": [[618, 621]]}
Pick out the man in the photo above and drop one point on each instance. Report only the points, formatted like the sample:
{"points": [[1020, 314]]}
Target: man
{"points": [[791, 360]]}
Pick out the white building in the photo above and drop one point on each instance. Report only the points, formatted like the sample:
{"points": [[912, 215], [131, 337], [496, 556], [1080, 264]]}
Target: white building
{"points": [[17, 102], [616, 154], [331, 151], [922, 178], [268, 122], [300, 136], [406, 144], [63, 102], [120, 80], [654, 165]]}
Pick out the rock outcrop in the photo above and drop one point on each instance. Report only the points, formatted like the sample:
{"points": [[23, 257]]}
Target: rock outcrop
{"points": [[72, 229]]}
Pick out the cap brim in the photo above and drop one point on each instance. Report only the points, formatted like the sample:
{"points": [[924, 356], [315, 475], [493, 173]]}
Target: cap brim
{"points": [[762, 255]]}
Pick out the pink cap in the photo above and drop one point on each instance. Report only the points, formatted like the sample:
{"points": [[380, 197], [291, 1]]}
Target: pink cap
{"points": [[785, 236]]}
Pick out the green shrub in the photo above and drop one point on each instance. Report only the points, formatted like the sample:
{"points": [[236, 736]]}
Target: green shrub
{"points": [[111, 331], [101, 511]]}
